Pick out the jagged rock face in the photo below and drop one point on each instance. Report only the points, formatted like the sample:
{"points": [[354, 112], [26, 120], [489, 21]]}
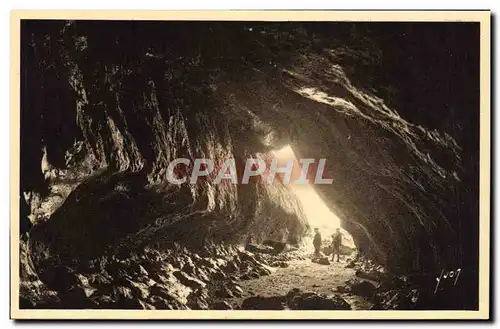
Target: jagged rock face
{"points": [[131, 119], [136, 97]]}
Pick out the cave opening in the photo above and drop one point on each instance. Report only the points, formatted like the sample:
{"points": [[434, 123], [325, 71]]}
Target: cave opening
{"points": [[317, 213]]}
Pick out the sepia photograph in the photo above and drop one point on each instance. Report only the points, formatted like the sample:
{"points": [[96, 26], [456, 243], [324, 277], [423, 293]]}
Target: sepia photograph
{"points": [[250, 165]]}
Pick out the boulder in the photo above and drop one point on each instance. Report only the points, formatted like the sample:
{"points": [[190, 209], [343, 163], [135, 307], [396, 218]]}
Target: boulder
{"points": [[323, 260], [219, 276], [363, 288], [237, 291], [59, 278]]}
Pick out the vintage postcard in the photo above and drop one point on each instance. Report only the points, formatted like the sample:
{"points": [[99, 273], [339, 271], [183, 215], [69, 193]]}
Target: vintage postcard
{"points": [[250, 165]]}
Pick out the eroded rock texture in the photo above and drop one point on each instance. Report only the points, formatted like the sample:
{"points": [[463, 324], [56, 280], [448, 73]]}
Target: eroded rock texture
{"points": [[106, 107]]}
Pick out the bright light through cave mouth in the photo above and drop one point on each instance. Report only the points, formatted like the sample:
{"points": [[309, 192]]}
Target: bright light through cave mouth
{"points": [[316, 211]]}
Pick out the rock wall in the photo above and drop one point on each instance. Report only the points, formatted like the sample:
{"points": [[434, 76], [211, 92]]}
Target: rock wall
{"points": [[106, 182]]}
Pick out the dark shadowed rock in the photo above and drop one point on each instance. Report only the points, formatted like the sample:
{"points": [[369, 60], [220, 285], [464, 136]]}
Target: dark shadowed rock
{"points": [[59, 278], [363, 288], [223, 292], [292, 294], [116, 269], [129, 304], [264, 303], [343, 289], [25, 303], [76, 298], [189, 267], [313, 301], [222, 305]]}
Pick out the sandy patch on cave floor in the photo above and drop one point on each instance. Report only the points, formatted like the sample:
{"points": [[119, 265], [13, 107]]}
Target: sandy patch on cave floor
{"points": [[305, 275]]}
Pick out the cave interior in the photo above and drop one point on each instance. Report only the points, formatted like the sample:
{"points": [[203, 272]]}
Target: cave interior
{"points": [[392, 107]]}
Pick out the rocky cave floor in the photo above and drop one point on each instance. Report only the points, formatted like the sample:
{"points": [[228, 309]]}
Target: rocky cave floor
{"points": [[216, 277], [301, 275]]}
